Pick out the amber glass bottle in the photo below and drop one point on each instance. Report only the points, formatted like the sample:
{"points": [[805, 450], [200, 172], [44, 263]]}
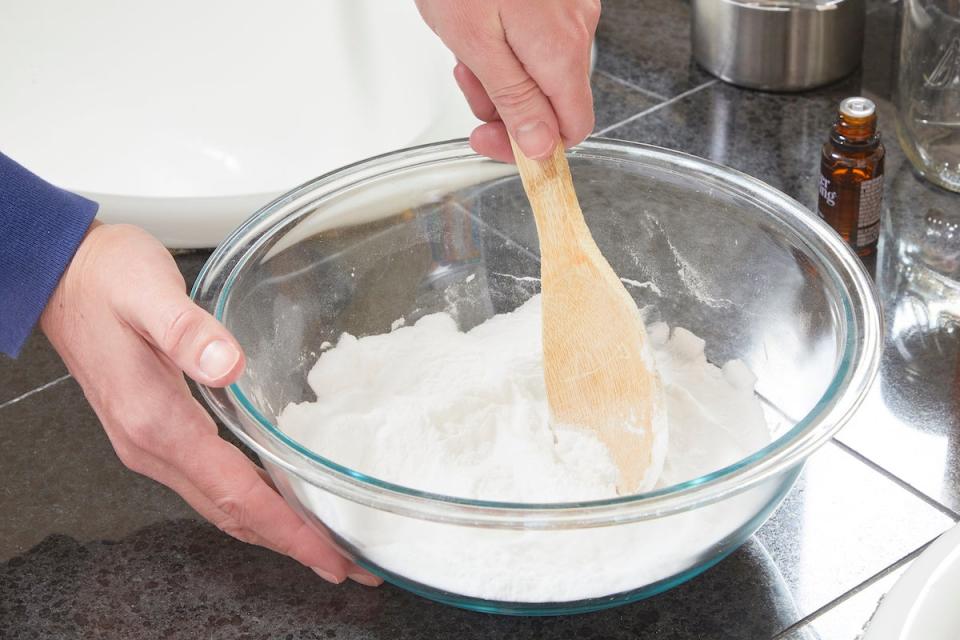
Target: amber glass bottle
{"points": [[851, 175]]}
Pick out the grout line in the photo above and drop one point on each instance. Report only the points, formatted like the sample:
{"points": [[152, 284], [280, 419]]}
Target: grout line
{"points": [[770, 402], [657, 107], [627, 83], [866, 584], [947, 511], [42, 387], [498, 233]]}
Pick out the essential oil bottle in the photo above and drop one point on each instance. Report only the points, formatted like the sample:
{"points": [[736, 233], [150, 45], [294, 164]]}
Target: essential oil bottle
{"points": [[851, 175]]}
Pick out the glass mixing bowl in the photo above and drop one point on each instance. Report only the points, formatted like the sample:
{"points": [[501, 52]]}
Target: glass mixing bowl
{"points": [[438, 228]]}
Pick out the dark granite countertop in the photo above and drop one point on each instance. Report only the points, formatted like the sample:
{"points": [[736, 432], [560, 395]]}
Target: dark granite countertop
{"points": [[89, 549]]}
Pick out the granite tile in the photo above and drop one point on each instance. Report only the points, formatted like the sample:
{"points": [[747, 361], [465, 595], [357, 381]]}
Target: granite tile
{"points": [[185, 579], [843, 523], [880, 52], [907, 424], [66, 478], [877, 5], [775, 137], [36, 365], [190, 262], [39, 364], [847, 619], [614, 100], [648, 43]]}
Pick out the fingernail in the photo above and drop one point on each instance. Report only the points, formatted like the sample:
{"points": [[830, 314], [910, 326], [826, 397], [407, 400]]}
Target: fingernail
{"points": [[329, 577], [366, 579], [535, 139], [218, 358]]}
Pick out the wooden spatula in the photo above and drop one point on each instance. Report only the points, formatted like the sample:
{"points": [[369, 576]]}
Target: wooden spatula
{"points": [[599, 369]]}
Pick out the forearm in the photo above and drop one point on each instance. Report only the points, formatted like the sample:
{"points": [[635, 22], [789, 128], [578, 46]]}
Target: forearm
{"points": [[40, 229]]}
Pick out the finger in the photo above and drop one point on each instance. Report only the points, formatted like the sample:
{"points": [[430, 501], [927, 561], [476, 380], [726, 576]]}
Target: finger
{"points": [[480, 103], [560, 65], [160, 310], [227, 489], [571, 97], [491, 140], [156, 432], [574, 109], [524, 109]]}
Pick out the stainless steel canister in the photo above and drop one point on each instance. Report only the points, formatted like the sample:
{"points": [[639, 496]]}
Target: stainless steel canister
{"points": [[778, 45]]}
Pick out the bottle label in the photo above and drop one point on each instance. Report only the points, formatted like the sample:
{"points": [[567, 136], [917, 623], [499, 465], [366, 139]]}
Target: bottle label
{"points": [[868, 225], [828, 195]]}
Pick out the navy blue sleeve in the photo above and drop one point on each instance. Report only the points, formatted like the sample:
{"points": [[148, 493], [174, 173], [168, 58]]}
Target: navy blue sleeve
{"points": [[40, 229]]}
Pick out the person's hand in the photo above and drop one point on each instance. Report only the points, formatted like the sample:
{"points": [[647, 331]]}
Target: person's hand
{"points": [[122, 322], [523, 66]]}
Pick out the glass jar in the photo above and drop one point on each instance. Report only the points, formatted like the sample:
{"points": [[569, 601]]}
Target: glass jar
{"points": [[928, 89]]}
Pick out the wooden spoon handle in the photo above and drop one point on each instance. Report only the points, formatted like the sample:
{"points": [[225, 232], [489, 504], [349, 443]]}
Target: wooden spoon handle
{"points": [[556, 210], [597, 367]]}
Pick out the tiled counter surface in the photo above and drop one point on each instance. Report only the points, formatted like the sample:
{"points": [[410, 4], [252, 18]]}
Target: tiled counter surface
{"points": [[88, 549]]}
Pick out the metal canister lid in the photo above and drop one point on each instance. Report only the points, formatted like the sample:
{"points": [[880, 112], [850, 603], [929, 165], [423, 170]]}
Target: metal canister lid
{"points": [[858, 107]]}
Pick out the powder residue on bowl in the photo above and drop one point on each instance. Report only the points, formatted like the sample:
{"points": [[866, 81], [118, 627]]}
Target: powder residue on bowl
{"points": [[465, 413]]}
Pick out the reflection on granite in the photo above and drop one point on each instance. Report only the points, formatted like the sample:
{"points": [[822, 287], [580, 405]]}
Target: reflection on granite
{"points": [[847, 619], [185, 579], [911, 421], [835, 530]]}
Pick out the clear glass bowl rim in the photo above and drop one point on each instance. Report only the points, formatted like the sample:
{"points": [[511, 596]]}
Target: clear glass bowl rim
{"points": [[858, 365]]}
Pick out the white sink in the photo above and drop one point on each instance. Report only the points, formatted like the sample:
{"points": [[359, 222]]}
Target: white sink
{"points": [[924, 604], [185, 117]]}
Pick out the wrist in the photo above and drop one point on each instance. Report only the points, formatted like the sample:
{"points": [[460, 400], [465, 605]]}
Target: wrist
{"points": [[51, 318]]}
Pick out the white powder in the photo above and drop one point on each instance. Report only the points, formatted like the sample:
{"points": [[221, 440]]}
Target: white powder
{"points": [[465, 414]]}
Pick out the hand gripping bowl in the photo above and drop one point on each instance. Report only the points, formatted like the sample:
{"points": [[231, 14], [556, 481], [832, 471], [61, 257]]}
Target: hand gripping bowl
{"points": [[438, 228]]}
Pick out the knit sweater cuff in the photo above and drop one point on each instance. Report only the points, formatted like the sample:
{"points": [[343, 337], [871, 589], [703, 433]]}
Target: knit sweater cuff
{"points": [[41, 227]]}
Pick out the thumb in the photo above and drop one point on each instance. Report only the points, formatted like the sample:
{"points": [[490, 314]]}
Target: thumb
{"points": [[525, 110], [193, 339]]}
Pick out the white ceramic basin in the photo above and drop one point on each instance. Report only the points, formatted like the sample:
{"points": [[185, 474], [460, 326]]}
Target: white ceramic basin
{"points": [[185, 117], [923, 604]]}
